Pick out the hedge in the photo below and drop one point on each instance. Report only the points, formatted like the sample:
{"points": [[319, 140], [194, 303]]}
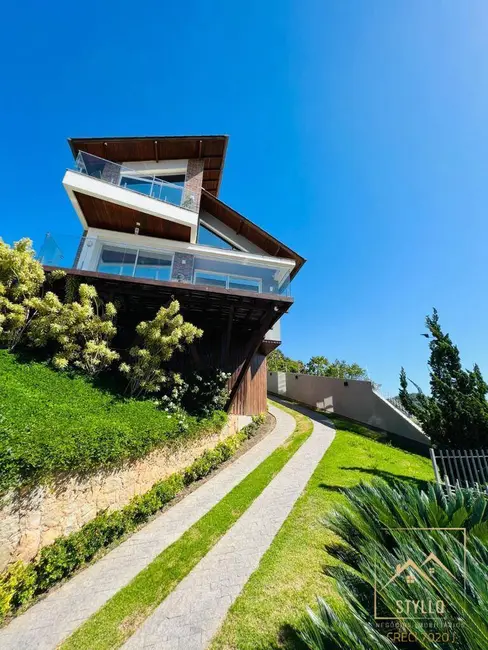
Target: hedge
{"points": [[21, 583]]}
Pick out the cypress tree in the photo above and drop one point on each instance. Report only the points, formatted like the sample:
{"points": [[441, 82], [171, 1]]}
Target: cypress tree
{"points": [[456, 412]]}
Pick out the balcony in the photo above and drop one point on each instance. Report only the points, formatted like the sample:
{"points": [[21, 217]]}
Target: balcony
{"points": [[115, 197], [122, 176], [201, 266]]}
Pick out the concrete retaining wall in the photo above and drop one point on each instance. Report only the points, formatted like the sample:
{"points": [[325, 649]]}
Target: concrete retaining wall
{"points": [[31, 519], [354, 399]]}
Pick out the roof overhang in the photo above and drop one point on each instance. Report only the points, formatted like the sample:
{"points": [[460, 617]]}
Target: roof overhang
{"points": [[242, 226], [207, 307], [212, 148]]}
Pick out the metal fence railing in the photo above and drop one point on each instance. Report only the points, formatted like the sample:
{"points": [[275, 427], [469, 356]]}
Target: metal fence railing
{"points": [[123, 176], [465, 468]]}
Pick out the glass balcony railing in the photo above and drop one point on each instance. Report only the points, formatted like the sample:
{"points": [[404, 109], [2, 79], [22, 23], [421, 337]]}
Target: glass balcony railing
{"points": [[123, 176], [140, 261]]}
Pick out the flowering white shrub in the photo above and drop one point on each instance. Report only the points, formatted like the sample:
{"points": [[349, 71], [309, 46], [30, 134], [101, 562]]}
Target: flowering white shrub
{"points": [[197, 393]]}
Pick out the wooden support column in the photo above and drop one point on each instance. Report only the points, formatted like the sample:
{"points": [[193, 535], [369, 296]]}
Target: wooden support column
{"points": [[225, 352], [255, 342]]}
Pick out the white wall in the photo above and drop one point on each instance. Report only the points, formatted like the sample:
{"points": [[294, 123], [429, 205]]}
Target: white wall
{"points": [[357, 401], [274, 334], [159, 168]]}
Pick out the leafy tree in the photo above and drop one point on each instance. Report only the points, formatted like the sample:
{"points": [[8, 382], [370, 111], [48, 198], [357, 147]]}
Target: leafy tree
{"points": [[277, 362], [322, 367], [21, 279], [318, 366], [456, 412], [80, 330], [159, 338]]}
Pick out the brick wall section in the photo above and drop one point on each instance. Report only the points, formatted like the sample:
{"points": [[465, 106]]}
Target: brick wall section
{"points": [[111, 173], [193, 184], [182, 267]]}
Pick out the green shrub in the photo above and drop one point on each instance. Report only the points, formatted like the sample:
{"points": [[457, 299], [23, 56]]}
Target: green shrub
{"points": [[375, 528], [21, 282], [17, 586], [198, 393], [56, 562], [81, 330], [159, 339], [56, 422]]}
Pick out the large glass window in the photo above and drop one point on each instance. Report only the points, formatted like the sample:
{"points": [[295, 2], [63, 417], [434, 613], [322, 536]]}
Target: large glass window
{"points": [[138, 263], [117, 260], [226, 281], [154, 266], [211, 279], [244, 284], [208, 238], [166, 188]]}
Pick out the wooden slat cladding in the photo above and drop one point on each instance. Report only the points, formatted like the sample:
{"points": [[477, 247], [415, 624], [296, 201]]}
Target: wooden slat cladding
{"points": [[110, 216], [211, 148], [250, 398]]}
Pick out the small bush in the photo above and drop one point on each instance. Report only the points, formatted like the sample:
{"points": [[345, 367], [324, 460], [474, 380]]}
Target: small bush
{"points": [[159, 340], [81, 330], [17, 586], [21, 582], [198, 393], [21, 283]]}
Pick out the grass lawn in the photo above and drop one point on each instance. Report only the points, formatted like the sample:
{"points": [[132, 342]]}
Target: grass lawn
{"points": [[290, 574], [127, 610], [55, 421]]}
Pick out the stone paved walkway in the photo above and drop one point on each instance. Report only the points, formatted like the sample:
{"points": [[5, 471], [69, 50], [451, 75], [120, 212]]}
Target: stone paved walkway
{"points": [[49, 622], [191, 615]]}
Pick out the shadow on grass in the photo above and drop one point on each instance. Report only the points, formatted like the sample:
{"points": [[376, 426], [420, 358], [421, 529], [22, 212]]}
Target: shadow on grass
{"points": [[289, 639], [389, 477]]}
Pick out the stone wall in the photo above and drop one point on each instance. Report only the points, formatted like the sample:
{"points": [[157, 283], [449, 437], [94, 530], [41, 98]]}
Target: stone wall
{"points": [[31, 519]]}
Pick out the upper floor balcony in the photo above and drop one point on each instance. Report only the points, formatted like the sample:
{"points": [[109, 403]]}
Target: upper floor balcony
{"points": [[152, 260], [131, 179], [108, 195]]}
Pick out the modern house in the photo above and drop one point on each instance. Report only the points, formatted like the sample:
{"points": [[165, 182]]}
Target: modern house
{"points": [[155, 229]]}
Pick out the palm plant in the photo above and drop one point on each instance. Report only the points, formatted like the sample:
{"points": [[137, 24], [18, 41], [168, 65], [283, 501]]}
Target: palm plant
{"points": [[375, 531]]}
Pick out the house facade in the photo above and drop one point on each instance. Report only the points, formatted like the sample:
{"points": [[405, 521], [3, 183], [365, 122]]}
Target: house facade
{"points": [[154, 229]]}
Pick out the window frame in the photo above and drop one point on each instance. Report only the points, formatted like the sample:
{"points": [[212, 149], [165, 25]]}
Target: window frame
{"points": [[258, 281], [138, 251]]}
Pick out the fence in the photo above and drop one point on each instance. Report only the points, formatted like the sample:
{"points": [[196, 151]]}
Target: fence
{"points": [[466, 468]]}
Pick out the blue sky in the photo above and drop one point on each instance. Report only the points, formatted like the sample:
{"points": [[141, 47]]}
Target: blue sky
{"points": [[358, 136]]}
